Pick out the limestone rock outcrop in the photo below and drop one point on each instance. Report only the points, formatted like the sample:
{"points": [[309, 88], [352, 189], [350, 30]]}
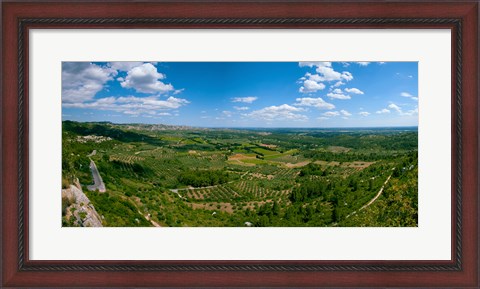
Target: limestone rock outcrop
{"points": [[77, 210]]}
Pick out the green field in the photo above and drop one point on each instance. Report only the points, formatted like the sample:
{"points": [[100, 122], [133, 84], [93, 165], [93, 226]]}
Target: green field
{"points": [[171, 176]]}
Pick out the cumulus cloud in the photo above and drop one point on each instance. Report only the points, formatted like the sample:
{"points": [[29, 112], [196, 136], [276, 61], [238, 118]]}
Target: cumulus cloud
{"points": [[342, 112], [314, 102], [354, 90], [310, 86], [395, 107], [327, 73], [324, 73], [125, 65], [241, 107], [363, 63], [411, 111], [345, 113], [364, 113], [383, 111], [347, 76], [338, 83], [331, 113], [248, 99], [146, 79], [227, 113], [408, 95], [281, 112], [132, 105], [337, 93], [81, 81], [313, 63], [400, 111]]}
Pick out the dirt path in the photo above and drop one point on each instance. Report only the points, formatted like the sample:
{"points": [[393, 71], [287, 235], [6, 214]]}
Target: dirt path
{"points": [[372, 200], [155, 224], [378, 194]]}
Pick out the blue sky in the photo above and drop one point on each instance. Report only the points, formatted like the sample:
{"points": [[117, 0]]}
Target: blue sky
{"points": [[243, 94]]}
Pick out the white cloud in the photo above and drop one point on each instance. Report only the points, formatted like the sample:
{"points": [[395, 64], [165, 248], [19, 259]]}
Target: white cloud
{"points": [[383, 111], [363, 63], [406, 94], [322, 118], [311, 83], [325, 73], [241, 107], [281, 112], [347, 76], [125, 65], [354, 90], [364, 113], [227, 113], [400, 111], [314, 102], [338, 83], [132, 105], [146, 79], [382, 62], [248, 99], [310, 86], [345, 113], [337, 95], [337, 90], [331, 113], [411, 112], [395, 107], [81, 81], [314, 63]]}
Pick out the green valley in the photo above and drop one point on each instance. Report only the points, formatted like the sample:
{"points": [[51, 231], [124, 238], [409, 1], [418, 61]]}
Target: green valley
{"points": [[179, 176]]}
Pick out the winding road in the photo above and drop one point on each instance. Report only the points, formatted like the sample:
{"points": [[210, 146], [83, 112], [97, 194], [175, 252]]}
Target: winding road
{"points": [[97, 179]]}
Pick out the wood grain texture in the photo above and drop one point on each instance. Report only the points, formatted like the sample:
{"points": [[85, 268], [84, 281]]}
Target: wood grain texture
{"points": [[248, 273]]}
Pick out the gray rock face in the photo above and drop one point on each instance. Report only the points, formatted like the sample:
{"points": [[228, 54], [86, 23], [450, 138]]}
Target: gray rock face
{"points": [[77, 209]]}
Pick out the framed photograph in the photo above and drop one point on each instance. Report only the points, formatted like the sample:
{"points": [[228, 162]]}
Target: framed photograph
{"points": [[240, 144]]}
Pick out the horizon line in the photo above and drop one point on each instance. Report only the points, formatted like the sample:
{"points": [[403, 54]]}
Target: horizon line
{"points": [[241, 127]]}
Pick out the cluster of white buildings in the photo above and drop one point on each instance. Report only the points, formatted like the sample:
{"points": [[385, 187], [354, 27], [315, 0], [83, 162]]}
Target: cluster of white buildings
{"points": [[92, 138]]}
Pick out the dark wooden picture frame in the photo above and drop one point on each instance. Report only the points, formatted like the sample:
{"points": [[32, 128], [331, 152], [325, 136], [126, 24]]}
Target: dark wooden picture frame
{"points": [[19, 17]]}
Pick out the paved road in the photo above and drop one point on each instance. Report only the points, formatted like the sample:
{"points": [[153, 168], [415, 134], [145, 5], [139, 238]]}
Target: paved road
{"points": [[97, 179]]}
